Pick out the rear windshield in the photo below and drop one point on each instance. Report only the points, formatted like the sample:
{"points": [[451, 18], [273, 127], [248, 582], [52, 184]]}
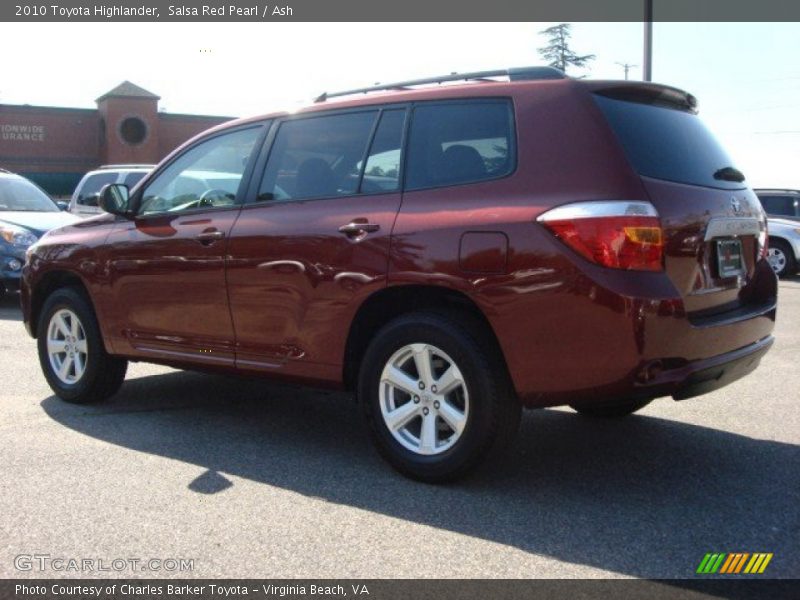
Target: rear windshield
{"points": [[670, 144]]}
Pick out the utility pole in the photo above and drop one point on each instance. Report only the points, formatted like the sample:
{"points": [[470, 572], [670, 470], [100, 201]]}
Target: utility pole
{"points": [[647, 70], [627, 67]]}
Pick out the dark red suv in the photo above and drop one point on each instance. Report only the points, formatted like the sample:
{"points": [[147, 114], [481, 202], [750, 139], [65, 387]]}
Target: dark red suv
{"points": [[449, 252]]}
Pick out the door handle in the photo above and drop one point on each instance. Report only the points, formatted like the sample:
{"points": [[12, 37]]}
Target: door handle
{"points": [[209, 237], [360, 229]]}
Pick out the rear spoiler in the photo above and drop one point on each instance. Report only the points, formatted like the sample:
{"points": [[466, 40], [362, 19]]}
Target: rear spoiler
{"points": [[645, 93]]}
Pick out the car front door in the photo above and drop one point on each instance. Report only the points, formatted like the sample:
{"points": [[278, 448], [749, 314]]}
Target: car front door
{"points": [[313, 241], [167, 264]]}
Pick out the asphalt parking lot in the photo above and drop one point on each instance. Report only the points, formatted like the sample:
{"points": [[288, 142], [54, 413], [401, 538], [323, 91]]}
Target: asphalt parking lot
{"points": [[250, 479]]}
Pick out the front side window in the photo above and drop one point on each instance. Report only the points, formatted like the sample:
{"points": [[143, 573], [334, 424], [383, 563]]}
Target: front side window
{"points": [[317, 157], [453, 144], [134, 177], [92, 186], [206, 176]]}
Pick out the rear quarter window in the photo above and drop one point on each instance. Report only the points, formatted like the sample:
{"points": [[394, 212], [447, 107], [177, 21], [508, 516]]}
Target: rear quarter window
{"points": [[779, 205], [667, 143], [458, 143]]}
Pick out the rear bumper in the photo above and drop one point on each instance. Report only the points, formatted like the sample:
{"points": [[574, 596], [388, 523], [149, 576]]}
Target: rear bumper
{"points": [[583, 343], [708, 375]]}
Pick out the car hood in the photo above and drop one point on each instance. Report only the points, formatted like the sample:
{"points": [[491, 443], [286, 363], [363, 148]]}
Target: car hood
{"points": [[38, 222], [786, 222]]}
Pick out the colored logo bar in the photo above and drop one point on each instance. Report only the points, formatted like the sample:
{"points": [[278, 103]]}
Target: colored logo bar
{"points": [[732, 563]]}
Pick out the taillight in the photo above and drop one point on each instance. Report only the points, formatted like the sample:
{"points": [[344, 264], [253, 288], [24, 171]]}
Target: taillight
{"points": [[763, 233], [620, 234]]}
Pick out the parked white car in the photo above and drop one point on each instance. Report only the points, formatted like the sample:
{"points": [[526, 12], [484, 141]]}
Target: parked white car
{"points": [[84, 199], [784, 246]]}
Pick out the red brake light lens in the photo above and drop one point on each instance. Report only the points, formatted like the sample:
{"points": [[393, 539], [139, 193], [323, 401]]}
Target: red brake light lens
{"points": [[616, 234]]}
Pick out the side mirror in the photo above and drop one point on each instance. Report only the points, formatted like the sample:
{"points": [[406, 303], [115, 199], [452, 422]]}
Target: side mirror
{"points": [[114, 199], [62, 205]]}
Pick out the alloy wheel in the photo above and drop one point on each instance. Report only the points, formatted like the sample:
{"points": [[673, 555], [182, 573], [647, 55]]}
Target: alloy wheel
{"points": [[424, 399], [66, 346], [777, 260]]}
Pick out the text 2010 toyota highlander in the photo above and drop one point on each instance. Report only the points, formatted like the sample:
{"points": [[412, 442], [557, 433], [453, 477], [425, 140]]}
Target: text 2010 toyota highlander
{"points": [[451, 253]]}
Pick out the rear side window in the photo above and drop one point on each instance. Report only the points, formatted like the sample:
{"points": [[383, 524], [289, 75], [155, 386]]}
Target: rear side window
{"points": [[667, 143], [452, 144], [317, 157], [779, 205], [92, 186]]}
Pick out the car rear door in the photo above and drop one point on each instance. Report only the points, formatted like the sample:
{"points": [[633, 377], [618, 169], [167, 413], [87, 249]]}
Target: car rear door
{"points": [[313, 241], [166, 266]]}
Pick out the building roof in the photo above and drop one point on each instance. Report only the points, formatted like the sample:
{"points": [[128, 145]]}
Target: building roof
{"points": [[126, 89]]}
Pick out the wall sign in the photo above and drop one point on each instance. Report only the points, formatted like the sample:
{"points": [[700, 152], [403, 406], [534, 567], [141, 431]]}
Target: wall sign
{"points": [[22, 133]]}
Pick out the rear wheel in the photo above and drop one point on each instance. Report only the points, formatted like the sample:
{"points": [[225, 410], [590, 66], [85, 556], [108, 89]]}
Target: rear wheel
{"points": [[781, 258], [610, 411], [437, 402], [71, 351]]}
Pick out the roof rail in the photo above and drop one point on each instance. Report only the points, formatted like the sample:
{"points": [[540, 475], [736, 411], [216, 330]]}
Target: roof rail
{"points": [[126, 166], [513, 74]]}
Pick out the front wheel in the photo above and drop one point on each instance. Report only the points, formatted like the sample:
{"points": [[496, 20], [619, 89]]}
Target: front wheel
{"points": [[781, 258], [71, 351], [437, 400]]}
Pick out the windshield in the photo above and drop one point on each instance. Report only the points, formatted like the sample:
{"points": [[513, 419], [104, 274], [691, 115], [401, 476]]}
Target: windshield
{"points": [[20, 194]]}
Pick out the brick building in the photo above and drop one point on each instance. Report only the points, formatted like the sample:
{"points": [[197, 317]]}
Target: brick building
{"points": [[55, 146]]}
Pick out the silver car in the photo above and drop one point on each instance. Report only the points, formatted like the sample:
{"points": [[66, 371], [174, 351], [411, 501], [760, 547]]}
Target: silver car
{"points": [[784, 246], [84, 199]]}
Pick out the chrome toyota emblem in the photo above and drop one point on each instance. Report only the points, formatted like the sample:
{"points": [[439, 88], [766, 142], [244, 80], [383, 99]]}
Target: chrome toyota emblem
{"points": [[736, 205]]}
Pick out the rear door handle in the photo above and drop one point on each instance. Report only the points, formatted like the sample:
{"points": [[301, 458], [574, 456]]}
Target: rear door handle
{"points": [[355, 228], [209, 237]]}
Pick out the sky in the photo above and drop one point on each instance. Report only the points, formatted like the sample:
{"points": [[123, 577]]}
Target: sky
{"points": [[745, 75]]}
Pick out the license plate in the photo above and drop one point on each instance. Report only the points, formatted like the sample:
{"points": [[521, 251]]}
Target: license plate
{"points": [[729, 258]]}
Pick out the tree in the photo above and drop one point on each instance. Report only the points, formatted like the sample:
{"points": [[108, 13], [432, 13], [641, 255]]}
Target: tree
{"points": [[558, 53]]}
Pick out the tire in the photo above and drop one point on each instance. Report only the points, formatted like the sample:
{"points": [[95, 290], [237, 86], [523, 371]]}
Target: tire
{"points": [[481, 411], [781, 258], [610, 411], [90, 374]]}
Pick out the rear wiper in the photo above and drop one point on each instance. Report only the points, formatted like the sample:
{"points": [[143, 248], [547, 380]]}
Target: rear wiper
{"points": [[729, 174]]}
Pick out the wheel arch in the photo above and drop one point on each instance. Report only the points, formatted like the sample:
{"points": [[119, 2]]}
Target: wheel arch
{"points": [[47, 284], [394, 301], [779, 238]]}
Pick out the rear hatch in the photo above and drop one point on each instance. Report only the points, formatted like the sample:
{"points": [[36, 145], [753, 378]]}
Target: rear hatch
{"points": [[712, 222]]}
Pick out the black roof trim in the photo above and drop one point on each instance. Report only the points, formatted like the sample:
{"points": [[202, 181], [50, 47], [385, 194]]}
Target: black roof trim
{"points": [[513, 74]]}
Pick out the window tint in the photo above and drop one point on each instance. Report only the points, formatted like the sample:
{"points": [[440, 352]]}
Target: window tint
{"points": [[92, 186], [317, 157], [383, 164], [207, 175], [778, 205], [131, 179], [459, 143], [666, 143]]}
